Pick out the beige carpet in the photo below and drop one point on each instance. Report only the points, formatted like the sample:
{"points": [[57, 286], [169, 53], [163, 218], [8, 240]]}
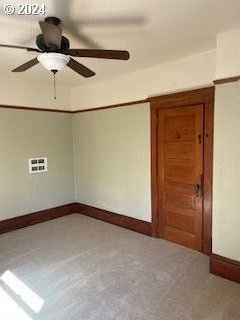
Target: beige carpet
{"points": [[80, 268]]}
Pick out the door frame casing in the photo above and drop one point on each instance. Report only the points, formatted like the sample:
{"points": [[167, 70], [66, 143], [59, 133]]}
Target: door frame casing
{"points": [[183, 99]]}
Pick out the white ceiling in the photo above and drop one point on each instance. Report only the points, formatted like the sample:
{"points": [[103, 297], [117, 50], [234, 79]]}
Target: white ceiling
{"points": [[156, 31]]}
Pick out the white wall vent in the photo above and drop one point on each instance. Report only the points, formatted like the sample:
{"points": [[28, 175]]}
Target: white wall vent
{"points": [[37, 165]]}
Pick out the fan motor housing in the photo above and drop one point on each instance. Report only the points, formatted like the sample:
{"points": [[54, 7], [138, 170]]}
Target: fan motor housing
{"points": [[42, 46], [53, 20]]}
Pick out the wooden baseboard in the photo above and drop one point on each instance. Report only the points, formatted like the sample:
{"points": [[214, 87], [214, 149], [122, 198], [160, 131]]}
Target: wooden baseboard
{"points": [[53, 213], [224, 267], [36, 217], [114, 218]]}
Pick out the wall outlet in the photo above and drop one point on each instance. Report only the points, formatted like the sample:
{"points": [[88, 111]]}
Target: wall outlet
{"points": [[37, 165]]}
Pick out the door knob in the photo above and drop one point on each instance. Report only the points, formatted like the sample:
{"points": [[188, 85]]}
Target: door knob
{"points": [[199, 188]]}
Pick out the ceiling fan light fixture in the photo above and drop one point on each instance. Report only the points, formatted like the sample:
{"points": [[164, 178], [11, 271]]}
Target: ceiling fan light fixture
{"points": [[53, 61]]}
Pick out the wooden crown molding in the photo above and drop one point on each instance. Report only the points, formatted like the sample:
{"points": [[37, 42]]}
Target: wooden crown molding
{"points": [[152, 100], [2, 106], [226, 80], [111, 106], [74, 111], [225, 268], [124, 104]]}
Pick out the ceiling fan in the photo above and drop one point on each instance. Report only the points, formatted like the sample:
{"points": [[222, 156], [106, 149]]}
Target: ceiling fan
{"points": [[55, 52]]}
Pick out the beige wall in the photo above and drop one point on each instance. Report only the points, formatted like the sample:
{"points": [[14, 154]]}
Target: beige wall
{"points": [[25, 134], [195, 71], [226, 178], [190, 72], [187, 73], [112, 160], [15, 90], [228, 54]]}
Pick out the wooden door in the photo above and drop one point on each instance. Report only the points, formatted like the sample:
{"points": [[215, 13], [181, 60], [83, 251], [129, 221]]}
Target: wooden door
{"points": [[180, 172]]}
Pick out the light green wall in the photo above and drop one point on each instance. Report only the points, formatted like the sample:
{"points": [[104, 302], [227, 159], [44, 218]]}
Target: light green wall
{"points": [[112, 163], [226, 177], [25, 134], [112, 160]]}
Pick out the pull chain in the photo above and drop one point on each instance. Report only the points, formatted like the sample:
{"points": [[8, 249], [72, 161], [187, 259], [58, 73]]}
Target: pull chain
{"points": [[54, 83], [54, 76]]}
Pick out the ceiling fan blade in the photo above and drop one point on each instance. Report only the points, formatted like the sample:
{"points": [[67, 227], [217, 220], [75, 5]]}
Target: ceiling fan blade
{"points": [[19, 47], [80, 68], [52, 34], [26, 65], [103, 54]]}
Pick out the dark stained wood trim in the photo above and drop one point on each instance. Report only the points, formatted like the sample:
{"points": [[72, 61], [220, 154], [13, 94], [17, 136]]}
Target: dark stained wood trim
{"points": [[36, 217], [154, 172], [114, 218], [111, 106], [224, 267], [75, 111], [200, 96], [33, 109], [179, 99], [208, 171], [226, 80], [53, 213]]}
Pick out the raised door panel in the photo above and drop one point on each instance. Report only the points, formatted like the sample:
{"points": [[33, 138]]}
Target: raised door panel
{"points": [[180, 161]]}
